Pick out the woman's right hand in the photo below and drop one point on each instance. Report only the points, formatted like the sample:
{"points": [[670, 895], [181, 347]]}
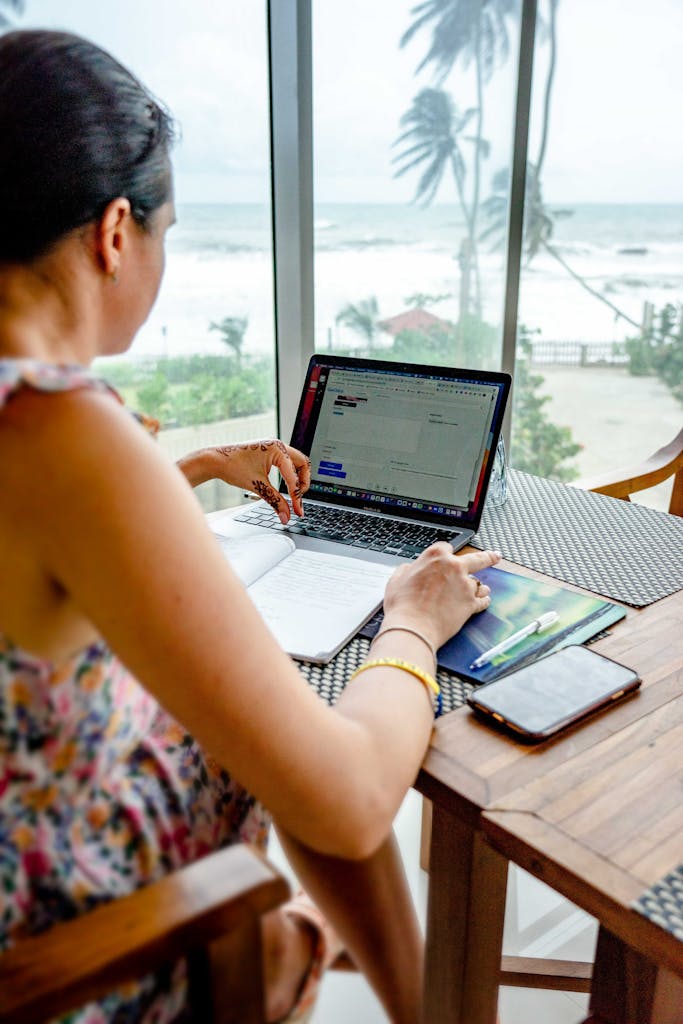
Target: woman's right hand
{"points": [[437, 593]]}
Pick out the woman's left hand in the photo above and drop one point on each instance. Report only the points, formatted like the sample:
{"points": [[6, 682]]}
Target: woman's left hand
{"points": [[248, 464]]}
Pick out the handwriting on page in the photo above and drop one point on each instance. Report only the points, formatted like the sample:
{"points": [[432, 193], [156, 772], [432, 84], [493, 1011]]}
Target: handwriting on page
{"points": [[313, 602]]}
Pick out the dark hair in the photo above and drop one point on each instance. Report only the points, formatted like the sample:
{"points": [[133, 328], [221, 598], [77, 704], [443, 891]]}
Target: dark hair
{"points": [[76, 131]]}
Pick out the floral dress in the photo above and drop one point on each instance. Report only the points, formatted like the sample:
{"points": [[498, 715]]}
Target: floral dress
{"points": [[101, 791]]}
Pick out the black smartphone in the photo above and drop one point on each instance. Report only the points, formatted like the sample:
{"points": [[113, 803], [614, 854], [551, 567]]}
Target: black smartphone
{"points": [[536, 701]]}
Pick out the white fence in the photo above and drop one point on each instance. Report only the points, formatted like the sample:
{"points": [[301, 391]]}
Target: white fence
{"points": [[178, 441]]}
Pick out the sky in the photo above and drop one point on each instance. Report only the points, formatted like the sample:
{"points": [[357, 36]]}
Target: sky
{"points": [[617, 99]]}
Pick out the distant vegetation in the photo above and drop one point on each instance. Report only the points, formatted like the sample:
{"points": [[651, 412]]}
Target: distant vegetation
{"points": [[658, 350], [183, 391]]}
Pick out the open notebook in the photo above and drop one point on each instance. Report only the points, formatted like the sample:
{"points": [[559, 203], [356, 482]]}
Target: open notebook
{"points": [[312, 602]]}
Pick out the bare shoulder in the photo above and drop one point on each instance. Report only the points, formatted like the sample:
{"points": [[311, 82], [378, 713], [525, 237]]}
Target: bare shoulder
{"points": [[80, 461], [66, 458], [63, 423], [54, 445]]}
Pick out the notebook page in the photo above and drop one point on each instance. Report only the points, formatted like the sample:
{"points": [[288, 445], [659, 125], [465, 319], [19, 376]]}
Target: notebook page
{"points": [[313, 602], [251, 557]]}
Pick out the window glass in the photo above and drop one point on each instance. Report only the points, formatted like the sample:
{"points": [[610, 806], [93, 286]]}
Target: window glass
{"points": [[203, 362], [602, 284], [413, 120]]}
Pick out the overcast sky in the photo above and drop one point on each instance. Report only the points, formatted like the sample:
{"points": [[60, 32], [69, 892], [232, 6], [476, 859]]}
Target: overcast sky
{"points": [[616, 107]]}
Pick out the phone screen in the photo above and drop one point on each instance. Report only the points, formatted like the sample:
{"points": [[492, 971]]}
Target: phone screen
{"points": [[542, 697]]}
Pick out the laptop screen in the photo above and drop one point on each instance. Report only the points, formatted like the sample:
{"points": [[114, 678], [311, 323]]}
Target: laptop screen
{"points": [[405, 439]]}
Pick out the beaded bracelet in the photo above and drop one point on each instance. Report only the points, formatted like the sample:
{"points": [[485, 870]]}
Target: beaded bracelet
{"points": [[429, 682], [408, 629]]}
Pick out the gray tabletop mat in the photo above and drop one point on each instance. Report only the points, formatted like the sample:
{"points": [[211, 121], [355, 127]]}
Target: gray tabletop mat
{"points": [[623, 551], [329, 680], [663, 903]]}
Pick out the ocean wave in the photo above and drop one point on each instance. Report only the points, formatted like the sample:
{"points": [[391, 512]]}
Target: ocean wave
{"points": [[208, 248], [366, 242], [626, 283]]}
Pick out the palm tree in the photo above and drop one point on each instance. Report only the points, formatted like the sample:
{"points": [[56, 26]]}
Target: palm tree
{"points": [[549, 81], [362, 317], [433, 125], [539, 223], [467, 29], [14, 7], [470, 30], [433, 128], [232, 330]]}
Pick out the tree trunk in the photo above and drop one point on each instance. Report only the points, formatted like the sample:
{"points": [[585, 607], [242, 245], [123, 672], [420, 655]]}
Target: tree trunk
{"points": [[584, 284]]}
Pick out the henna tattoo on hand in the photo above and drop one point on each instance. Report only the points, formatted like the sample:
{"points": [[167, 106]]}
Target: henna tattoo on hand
{"points": [[253, 446], [228, 449], [266, 492]]}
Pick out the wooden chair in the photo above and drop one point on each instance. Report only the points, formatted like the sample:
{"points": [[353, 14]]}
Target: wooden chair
{"points": [[621, 483], [208, 912]]}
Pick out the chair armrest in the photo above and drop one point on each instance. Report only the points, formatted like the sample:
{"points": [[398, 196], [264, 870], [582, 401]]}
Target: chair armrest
{"points": [[80, 960], [619, 483]]}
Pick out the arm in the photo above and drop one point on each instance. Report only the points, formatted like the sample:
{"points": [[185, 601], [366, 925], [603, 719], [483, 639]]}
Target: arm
{"points": [[247, 465], [130, 547]]}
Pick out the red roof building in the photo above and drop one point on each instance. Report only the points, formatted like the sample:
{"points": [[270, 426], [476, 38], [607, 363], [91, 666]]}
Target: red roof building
{"points": [[413, 320]]}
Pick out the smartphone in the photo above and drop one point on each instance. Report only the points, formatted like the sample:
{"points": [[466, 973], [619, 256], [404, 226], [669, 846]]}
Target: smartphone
{"points": [[542, 698]]}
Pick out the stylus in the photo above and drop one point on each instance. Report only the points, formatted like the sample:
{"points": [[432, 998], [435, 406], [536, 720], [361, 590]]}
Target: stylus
{"points": [[537, 626]]}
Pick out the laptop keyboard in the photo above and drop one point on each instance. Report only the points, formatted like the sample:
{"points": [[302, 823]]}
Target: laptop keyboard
{"points": [[372, 532]]}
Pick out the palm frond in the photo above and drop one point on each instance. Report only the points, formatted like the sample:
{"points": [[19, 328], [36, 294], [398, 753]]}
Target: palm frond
{"points": [[15, 7], [428, 184], [410, 164], [433, 125], [462, 30]]}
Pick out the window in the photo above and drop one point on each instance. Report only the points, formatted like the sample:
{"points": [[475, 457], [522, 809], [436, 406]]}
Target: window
{"points": [[204, 361], [602, 285], [412, 140], [412, 128]]}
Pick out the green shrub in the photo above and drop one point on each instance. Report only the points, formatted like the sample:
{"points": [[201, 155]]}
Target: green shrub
{"points": [[538, 446]]}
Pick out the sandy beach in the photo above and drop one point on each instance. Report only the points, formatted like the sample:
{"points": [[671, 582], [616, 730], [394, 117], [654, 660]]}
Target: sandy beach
{"points": [[619, 419]]}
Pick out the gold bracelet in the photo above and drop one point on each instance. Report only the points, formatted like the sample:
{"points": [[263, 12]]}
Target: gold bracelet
{"points": [[406, 666]]}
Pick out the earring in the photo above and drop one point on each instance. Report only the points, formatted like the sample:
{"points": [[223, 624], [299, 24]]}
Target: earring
{"points": [[114, 277]]}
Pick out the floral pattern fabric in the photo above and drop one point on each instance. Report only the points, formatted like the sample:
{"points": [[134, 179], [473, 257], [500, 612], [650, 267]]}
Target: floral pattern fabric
{"points": [[101, 791]]}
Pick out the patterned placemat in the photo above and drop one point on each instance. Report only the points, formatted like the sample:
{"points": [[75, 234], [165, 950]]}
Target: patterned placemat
{"points": [[329, 680], [627, 552], [663, 903]]}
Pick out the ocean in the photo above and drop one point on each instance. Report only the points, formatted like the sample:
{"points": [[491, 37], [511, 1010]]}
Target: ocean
{"points": [[219, 264]]}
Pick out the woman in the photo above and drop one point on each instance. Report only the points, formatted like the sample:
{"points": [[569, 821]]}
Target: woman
{"points": [[118, 621]]}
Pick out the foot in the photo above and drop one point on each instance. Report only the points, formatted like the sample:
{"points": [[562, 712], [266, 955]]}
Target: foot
{"points": [[288, 950], [299, 945]]}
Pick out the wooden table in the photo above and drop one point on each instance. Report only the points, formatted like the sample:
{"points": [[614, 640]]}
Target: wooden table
{"points": [[596, 814]]}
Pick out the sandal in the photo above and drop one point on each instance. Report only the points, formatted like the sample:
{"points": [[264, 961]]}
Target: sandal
{"points": [[328, 948]]}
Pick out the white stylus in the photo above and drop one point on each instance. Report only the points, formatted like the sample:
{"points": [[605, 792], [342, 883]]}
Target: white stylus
{"points": [[537, 626]]}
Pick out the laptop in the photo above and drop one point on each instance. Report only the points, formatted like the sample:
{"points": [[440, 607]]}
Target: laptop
{"points": [[401, 456]]}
